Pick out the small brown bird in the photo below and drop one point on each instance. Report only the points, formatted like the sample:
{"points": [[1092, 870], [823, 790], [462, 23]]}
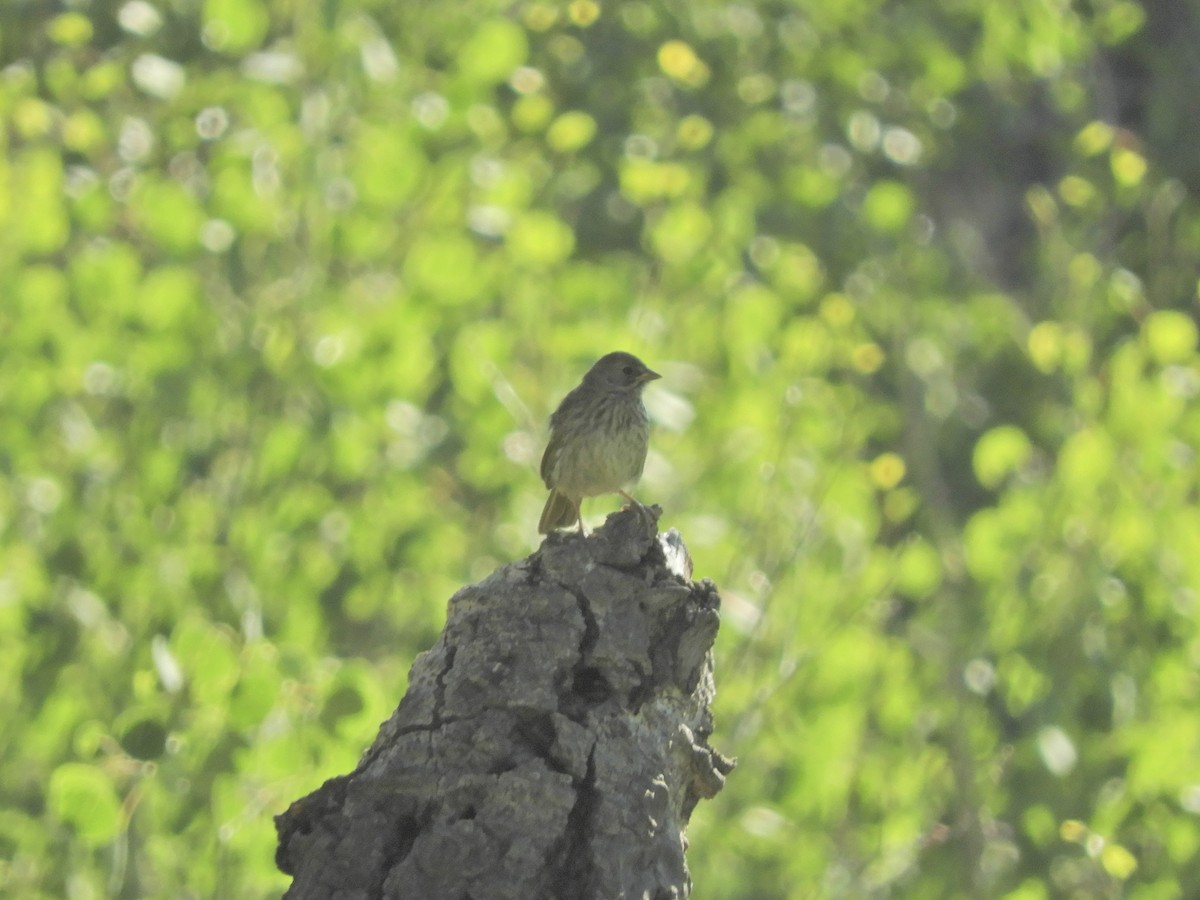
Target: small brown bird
{"points": [[598, 439]]}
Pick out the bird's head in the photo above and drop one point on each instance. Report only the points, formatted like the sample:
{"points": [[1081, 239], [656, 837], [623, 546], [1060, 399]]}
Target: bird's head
{"points": [[620, 371]]}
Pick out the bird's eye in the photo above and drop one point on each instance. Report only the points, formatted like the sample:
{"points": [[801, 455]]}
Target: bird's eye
{"points": [[629, 371]]}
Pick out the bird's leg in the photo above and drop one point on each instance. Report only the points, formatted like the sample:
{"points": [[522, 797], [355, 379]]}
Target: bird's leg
{"points": [[579, 517]]}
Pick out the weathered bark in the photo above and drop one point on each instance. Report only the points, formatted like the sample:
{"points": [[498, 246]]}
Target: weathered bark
{"points": [[552, 744]]}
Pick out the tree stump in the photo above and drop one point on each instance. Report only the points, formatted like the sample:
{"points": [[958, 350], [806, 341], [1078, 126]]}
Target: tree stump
{"points": [[552, 744]]}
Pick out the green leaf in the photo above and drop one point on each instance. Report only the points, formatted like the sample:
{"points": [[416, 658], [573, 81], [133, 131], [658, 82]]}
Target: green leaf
{"points": [[680, 233], [233, 26], [1118, 861], [1094, 138], [571, 131], [540, 239], [235, 199], [491, 54], [444, 265], [1087, 459], [206, 655], [168, 215], [84, 798], [168, 298], [105, 282], [44, 227], [918, 569], [888, 206], [1170, 336], [1119, 20], [257, 692], [387, 167], [70, 29], [999, 453], [752, 314]]}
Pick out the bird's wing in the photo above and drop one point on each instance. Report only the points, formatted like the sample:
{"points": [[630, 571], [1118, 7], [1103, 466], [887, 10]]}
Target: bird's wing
{"points": [[554, 446], [550, 456]]}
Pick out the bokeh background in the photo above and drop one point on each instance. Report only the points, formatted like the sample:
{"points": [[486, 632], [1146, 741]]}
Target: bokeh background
{"points": [[288, 289]]}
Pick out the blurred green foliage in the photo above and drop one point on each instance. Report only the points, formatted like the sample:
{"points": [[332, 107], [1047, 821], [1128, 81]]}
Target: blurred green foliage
{"points": [[287, 290]]}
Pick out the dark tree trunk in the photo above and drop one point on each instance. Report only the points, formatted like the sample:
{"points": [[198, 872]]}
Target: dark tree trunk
{"points": [[552, 744]]}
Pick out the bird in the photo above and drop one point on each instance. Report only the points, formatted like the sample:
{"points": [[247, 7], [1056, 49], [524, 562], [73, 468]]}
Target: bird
{"points": [[598, 439]]}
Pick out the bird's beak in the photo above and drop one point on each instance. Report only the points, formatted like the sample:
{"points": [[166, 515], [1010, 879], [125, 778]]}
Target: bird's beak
{"points": [[648, 375]]}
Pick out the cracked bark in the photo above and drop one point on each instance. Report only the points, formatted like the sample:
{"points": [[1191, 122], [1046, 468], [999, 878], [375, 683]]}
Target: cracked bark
{"points": [[552, 744]]}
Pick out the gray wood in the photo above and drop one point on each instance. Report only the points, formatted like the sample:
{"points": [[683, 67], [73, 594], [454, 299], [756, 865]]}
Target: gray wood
{"points": [[552, 744]]}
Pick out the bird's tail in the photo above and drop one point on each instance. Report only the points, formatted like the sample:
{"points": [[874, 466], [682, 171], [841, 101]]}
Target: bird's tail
{"points": [[559, 511]]}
